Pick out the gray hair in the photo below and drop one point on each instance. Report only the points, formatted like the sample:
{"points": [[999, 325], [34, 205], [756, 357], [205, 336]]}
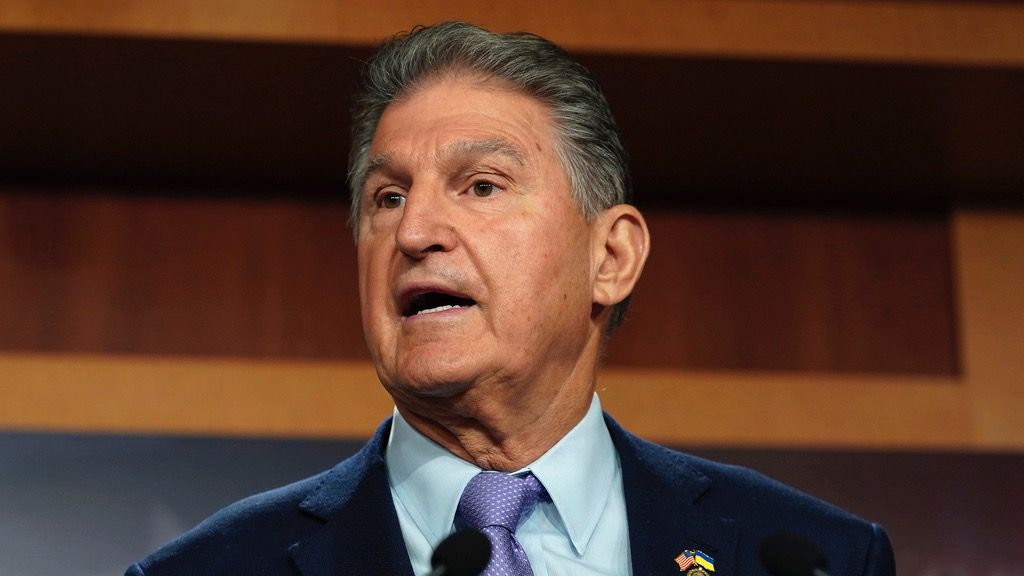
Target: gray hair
{"points": [[589, 146]]}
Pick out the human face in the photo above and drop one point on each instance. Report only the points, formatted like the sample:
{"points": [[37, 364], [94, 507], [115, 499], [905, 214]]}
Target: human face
{"points": [[466, 204]]}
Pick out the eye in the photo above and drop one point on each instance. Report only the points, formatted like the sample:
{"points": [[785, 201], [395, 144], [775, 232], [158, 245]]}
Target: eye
{"points": [[390, 200], [482, 189]]}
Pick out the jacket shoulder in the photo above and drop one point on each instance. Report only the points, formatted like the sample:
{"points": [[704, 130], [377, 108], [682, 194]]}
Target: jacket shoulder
{"points": [[255, 536], [250, 536], [851, 544], [727, 488], [757, 505]]}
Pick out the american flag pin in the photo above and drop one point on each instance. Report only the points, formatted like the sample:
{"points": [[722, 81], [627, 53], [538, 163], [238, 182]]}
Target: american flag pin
{"points": [[684, 560]]}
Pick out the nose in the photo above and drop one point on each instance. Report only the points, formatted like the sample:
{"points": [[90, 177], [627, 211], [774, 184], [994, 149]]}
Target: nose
{"points": [[426, 225]]}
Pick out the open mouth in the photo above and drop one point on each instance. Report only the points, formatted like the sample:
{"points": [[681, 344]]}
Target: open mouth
{"points": [[433, 302]]}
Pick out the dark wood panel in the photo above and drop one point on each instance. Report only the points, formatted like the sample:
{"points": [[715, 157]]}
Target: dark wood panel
{"points": [[167, 275], [260, 115], [794, 291], [174, 113]]}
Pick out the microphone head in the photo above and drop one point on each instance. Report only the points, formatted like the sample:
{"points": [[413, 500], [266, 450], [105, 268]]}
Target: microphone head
{"points": [[464, 553], [786, 554]]}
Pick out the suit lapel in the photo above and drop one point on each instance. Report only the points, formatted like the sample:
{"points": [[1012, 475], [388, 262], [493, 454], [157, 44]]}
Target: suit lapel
{"points": [[662, 492], [360, 534]]}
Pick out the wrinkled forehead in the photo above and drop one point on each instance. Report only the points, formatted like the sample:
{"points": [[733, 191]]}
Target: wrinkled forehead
{"points": [[468, 77], [503, 120]]}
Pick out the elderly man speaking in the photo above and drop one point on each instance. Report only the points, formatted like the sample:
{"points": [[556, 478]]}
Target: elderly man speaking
{"points": [[497, 251]]}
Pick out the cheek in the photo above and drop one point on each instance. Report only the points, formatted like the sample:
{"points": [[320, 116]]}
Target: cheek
{"points": [[372, 281], [363, 272], [551, 272]]}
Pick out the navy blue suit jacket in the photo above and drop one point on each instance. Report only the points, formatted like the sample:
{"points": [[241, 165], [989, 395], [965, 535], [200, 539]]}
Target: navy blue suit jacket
{"points": [[343, 522]]}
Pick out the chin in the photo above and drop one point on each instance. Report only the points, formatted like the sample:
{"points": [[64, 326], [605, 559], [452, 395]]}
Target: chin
{"points": [[432, 377]]}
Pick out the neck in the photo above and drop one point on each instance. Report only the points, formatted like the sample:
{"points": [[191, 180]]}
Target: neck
{"points": [[499, 425]]}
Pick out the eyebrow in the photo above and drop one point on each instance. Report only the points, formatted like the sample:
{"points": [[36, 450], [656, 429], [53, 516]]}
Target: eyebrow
{"points": [[464, 149], [455, 152], [380, 162]]}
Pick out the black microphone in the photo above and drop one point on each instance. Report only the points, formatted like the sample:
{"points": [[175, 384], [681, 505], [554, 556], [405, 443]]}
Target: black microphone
{"points": [[786, 554], [464, 553]]}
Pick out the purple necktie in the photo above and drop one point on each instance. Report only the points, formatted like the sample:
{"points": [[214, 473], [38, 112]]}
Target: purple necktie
{"points": [[495, 504]]}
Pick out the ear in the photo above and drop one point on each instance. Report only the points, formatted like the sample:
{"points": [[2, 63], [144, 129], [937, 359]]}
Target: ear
{"points": [[621, 244]]}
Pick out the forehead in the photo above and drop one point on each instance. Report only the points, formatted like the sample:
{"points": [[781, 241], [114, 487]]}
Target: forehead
{"points": [[465, 113]]}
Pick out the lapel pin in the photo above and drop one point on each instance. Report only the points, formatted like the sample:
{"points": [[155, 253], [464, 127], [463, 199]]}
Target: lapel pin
{"points": [[695, 563]]}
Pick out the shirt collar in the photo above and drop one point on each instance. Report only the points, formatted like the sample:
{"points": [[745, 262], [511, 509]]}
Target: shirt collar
{"points": [[577, 473], [427, 478]]}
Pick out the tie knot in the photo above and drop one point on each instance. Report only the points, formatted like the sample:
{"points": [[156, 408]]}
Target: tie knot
{"points": [[496, 499]]}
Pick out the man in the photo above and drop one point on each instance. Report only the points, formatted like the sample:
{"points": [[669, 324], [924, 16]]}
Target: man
{"points": [[496, 253]]}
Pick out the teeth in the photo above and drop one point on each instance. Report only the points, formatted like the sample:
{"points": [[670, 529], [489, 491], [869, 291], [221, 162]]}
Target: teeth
{"points": [[437, 309]]}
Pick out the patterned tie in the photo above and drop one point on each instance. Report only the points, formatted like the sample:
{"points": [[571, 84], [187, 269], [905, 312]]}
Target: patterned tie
{"points": [[495, 504]]}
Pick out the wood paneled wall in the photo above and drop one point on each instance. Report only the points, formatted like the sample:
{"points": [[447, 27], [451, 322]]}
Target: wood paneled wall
{"points": [[219, 313], [264, 119], [803, 291], [170, 281], [186, 276], [938, 31], [743, 291]]}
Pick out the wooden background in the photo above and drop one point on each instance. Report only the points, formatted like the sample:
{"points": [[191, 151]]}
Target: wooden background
{"points": [[834, 191]]}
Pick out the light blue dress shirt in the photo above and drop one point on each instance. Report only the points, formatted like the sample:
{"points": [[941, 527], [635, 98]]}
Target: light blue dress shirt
{"points": [[581, 530]]}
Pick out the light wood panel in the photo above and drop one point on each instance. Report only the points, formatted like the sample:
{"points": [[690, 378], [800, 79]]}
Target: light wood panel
{"points": [[189, 396], [980, 33], [990, 248], [339, 399], [790, 409]]}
